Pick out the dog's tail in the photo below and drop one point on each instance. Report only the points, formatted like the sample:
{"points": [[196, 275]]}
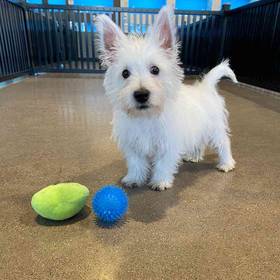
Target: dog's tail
{"points": [[215, 74]]}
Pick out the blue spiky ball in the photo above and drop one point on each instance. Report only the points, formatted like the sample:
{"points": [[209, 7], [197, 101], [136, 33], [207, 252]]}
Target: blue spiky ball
{"points": [[110, 204]]}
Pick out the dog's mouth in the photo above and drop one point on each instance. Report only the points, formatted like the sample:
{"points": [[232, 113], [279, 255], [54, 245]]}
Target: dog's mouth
{"points": [[144, 110], [143, 107]]}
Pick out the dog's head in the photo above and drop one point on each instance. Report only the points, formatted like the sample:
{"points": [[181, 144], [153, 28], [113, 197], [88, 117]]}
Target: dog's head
{"points": [[143, 72]]}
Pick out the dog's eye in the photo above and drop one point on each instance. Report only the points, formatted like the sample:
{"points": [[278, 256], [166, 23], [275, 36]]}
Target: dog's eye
{"points": [[125, 73], [154, 70]]}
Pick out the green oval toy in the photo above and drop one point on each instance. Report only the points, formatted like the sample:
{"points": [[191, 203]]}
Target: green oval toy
{"points": [[61, 201]]}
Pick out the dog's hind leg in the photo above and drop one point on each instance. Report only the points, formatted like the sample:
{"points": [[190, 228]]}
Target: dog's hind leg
{"points": [[223, 147]]}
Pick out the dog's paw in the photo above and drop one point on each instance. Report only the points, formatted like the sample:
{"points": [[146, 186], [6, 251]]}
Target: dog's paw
{"points": [[193, 159], [226, 167], [130, 184], [161, 186]]}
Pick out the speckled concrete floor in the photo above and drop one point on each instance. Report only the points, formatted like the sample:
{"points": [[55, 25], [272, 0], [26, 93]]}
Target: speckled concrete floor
{"points": [[209, 226]]}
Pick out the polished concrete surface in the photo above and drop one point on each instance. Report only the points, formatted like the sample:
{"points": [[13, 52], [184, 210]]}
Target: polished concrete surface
{"points": [[211, 225]]}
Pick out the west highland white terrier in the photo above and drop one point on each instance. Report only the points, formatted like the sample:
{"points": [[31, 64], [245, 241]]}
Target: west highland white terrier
{"points": [[157, 119]]}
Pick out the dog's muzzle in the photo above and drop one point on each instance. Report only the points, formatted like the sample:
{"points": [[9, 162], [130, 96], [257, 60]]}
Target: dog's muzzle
{"points": [[142, 97]]}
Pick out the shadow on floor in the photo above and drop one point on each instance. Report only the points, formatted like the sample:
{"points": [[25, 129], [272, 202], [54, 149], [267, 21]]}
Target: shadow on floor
{"points": [[146, 205], [83, 214], [114, 225]]}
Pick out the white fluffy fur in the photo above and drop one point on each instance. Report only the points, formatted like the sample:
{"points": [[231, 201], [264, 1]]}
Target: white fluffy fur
{"points": [[181, 119]]}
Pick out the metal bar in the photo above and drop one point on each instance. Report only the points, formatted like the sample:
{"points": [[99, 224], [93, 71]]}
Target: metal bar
{"points": [[265, 24], [43, 32], [121, 9], [192, 41], [22, 44], [128, 22], [141, 22], [122, 22], [86, 39], [49, 33], [13, 37], [76, 39], [22, 38], [176, 21], [211, 35], [81, 40], [92, 42], [224, 28], [56, 45], [38, 39], [99, 62], [49, 70], [117, 18], [14, 25], [8, 39], [198, 51], [28, 40], [32, 38], [146, 22], [182, 27], [3, 53], [251, 23], [206, 34], [275, 24], [61, 39], [72, 38], [186, 46], [67, 23], [18, 35], [134, 23], [13, 11]]}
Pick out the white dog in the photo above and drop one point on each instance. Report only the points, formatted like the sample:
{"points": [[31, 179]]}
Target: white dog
{"points": [[158, 121]]}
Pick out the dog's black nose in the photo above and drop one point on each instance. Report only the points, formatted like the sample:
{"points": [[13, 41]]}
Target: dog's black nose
{"points": [[141, 95]]}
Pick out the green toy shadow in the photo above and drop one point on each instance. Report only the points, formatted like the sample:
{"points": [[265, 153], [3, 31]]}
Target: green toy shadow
{"points": [[83, 214]]}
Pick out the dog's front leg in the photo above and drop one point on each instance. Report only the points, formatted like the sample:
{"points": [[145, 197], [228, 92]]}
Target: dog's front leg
{"points": [[138, 169], [165, 167]]}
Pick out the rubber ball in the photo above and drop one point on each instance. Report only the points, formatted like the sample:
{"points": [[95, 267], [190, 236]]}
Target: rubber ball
{"points": [[110, 204]]}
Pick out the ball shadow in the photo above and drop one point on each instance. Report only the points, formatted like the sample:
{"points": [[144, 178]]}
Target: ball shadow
{"points": [[105, 225]]}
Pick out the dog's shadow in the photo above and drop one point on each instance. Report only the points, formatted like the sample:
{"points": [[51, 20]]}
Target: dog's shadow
{"points": [[146, 205]]}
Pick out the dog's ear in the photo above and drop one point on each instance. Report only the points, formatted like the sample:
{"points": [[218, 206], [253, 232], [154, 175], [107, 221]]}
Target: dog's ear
{"points": [[164, 30], [109, 37]]}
